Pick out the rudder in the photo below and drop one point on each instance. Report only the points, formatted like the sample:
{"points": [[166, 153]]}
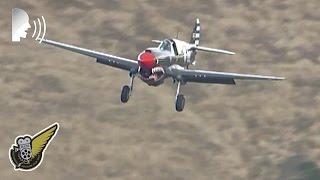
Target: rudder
{"points": [[195, 36]]}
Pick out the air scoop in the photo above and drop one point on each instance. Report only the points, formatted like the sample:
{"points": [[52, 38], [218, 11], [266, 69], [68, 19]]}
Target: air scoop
{"points": [[153, 77], [147, 60]]}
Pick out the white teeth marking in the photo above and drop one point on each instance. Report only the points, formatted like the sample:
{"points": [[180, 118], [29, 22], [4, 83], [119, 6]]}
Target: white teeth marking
{"points": [[154, 76], [157, 69]]}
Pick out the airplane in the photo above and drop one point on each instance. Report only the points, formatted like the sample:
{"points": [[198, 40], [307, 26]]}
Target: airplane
{"points": [[170, 59]]}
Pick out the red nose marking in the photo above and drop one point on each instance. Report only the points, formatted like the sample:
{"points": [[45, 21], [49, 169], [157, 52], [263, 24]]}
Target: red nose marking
{"points": [[147, 60]]}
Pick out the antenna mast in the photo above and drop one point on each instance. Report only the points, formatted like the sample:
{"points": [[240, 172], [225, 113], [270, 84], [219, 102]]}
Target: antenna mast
{"points": [[177, 36]]}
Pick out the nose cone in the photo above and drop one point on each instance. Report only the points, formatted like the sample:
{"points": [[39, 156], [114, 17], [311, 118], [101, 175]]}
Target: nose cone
{"points": [[147, 60]]}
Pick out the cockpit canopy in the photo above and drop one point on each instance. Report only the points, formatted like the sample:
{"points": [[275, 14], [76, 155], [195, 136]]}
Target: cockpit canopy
{"points": [[165, 45], [169, 45]]}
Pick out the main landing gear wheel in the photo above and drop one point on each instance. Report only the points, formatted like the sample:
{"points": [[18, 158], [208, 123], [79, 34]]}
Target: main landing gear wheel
{"points": [[125, 94], [127, 90], [180, 102]]}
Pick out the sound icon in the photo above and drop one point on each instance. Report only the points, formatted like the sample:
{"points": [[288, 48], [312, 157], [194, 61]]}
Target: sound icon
{"points": [[20, 24], [35, 29]]}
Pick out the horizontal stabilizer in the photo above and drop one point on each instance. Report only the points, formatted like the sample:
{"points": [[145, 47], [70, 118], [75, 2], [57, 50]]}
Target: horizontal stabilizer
{"points": [[201, 48], [156, 41]]}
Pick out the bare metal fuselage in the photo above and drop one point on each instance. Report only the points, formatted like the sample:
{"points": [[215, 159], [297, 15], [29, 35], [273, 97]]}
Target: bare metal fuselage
{"points": [[166, 58]]}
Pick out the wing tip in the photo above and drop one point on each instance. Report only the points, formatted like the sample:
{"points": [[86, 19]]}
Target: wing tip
{"points": [[41, 40], [280, 78]]}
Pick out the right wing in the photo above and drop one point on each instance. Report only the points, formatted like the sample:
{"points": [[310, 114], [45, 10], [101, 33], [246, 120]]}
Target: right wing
{"points": [[201, 76], [107, 59]]}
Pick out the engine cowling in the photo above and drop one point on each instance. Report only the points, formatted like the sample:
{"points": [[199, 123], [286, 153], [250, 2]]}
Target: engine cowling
{"points": [[147, 60]]}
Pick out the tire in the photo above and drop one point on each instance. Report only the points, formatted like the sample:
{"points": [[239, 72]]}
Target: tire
{"points": [[125, 94], [180, 102]]}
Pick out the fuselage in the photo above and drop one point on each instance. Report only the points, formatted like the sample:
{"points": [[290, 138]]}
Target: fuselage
{"points": [[154, 61]]}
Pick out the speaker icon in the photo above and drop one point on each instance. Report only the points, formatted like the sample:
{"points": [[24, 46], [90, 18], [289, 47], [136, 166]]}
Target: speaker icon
{"points": [[40, 29], [20, 26]]}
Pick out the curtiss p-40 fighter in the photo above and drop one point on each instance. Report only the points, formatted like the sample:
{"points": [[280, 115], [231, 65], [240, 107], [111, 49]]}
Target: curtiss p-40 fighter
{"points": [[170, 59]]}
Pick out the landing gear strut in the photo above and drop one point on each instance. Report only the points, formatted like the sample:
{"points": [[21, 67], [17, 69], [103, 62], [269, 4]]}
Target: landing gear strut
{"points": [[180, 100], [127, 90]]}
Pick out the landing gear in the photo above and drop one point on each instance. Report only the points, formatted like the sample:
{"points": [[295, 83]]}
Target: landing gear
{"points": [[127, 90], [125, 94], [180, 100]]}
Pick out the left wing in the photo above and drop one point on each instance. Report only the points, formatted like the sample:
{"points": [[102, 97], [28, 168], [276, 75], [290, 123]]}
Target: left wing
{"points": [[103, 58], [215, 77]]}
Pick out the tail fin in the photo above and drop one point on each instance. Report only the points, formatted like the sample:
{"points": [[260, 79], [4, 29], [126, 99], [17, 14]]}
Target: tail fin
{"points": [[195, 36]]}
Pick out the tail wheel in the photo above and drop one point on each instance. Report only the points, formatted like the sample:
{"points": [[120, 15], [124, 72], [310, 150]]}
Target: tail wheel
{"points": [[180, 102], [125, 94]]}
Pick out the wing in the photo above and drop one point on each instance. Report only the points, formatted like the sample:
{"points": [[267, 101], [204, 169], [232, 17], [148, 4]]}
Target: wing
{"points": [[107, 59], [201, 76], [41, 140]]}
